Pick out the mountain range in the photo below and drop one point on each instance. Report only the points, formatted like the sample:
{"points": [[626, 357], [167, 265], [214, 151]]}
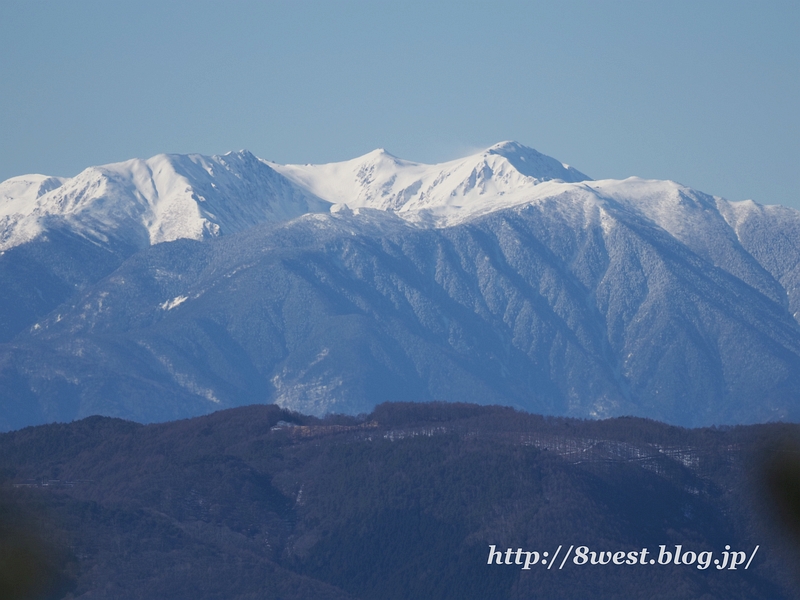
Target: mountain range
{"points": [[179, 285]]}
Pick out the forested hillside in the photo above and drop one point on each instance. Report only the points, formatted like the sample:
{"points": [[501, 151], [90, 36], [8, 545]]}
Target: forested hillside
{"points": [[257, 502]]}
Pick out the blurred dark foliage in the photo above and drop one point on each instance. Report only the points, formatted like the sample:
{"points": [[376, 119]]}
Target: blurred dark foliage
{"points": [[782, 482], [31, 565], [259, 502]]}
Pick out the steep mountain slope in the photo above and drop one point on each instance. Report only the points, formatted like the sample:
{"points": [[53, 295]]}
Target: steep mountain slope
{"points": [[504, 277], [771, 234], [583, 310], [58, 235], [145, 202]]}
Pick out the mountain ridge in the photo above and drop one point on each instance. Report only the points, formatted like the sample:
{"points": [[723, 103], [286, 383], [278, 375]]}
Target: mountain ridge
{"points": [[335, 287], [160, 199]]}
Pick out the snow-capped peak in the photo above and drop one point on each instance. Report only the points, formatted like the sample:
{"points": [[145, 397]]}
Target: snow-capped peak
{"points": [[447, 191], [535, 164], [143, 202], [168, 197]]}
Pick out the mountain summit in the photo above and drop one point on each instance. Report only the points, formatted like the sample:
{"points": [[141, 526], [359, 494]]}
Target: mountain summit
{"points": [[169, 197], [441, 194], [174, 286], [144, 202], [531, 163]]}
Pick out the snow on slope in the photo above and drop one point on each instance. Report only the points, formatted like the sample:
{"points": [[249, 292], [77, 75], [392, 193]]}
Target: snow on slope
{"points": [[695, 219], [168, 197], [160, 199], [18, 196], [598, 292], [509, 174], [771, 234], [443, 194]]}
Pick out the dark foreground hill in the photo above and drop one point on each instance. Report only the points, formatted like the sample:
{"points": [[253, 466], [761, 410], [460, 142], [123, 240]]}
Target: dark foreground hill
{"points": [[257, 502]]}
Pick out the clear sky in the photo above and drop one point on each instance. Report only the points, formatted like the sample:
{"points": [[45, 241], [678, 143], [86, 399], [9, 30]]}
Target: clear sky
{"points": [[705, 93]]}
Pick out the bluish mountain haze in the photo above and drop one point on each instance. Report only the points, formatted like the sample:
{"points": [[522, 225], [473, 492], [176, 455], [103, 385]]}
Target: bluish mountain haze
{"points": [[172, 287]]}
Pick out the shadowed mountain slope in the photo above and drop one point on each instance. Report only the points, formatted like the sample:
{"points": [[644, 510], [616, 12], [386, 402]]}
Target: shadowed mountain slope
{"points": [[160, 289]]}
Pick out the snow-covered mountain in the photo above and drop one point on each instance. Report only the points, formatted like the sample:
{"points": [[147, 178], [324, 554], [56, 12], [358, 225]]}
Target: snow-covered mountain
{"points": [[183, 284], [164, 198], [503, 175]]}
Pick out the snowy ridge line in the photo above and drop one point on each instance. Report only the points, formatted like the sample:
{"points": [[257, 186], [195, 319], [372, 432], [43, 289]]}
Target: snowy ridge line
{"points": [[169, 197], [501, 175], [139, 203], [146, 202]]}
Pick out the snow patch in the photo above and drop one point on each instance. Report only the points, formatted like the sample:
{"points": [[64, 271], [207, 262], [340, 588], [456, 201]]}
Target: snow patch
{"points": [[170, 304]]}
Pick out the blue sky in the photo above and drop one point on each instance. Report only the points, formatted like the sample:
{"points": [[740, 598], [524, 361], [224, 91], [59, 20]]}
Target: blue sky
{"points": [[705, 93]]}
